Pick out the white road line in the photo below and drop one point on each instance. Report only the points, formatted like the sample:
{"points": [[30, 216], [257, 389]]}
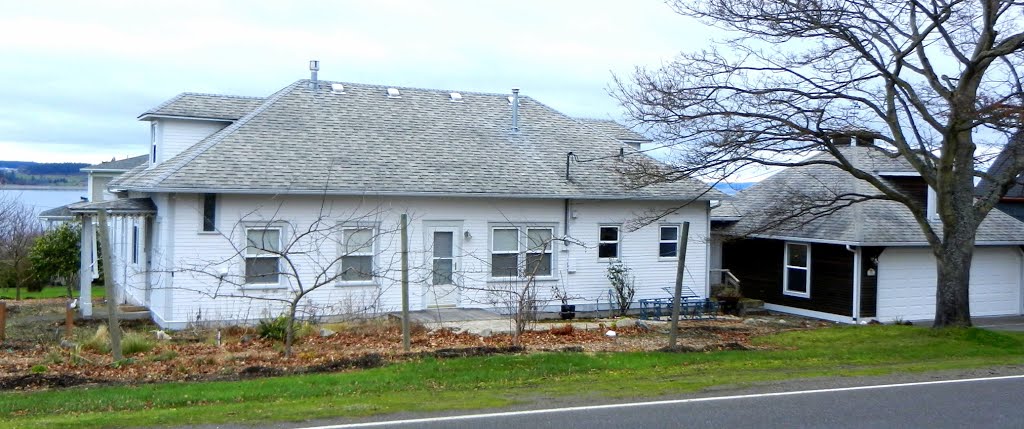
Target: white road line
{"points": [[651, 403]]}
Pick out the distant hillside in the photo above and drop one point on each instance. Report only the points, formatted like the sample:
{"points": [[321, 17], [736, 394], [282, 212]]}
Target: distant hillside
{"points": [[42, 173]]}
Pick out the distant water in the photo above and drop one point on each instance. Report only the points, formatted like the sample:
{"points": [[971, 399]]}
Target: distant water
{"points": [[732, 188], [43, 199]]}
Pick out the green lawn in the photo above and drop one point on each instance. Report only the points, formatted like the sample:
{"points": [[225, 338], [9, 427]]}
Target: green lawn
{"points": [[51, 292], [495, 381]]}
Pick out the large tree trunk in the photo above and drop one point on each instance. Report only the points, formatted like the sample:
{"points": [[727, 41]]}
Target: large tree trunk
{"points": [[952, 306]]}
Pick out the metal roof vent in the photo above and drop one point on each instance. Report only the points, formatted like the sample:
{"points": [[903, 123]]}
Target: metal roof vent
{"points": [[394, 93], [456, 97], [337, 88], [314, 66]]}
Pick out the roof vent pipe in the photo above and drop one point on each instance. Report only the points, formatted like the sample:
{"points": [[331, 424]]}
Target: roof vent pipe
{"points": [[314, 66], [515, 110]]}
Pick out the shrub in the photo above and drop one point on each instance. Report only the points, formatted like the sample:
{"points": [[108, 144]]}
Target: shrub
{"points": [[273, 329], [39, 369], [622, 284], [134, 343], [163, 356], [99, 342]]}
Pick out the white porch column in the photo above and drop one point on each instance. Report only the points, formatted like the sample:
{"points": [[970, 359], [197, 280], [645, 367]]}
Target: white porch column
{"points": [[85, 266]]}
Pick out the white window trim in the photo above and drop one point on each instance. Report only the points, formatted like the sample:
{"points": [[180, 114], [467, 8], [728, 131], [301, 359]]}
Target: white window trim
{"points": [[661, 241], [136, 235], [373, 254], [618, 242], [522, 249], [245, 256], [786, 267]]}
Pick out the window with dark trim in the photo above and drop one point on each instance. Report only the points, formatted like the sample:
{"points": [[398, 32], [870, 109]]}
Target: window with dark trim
{"points": [[608, 242], [209, 212], [668, 241], [797, 270]]}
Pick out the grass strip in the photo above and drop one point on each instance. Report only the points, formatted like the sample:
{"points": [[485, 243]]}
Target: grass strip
{"points": [[495, 381]]}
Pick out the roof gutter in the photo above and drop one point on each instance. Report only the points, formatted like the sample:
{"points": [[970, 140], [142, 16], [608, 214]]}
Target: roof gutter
{"points": [[878, 244], [410, 194], [148, 116]]}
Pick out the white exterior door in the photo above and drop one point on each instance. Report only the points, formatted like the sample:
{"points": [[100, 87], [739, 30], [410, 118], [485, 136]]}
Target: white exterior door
{"points": [[906, 283], [443, 244]]}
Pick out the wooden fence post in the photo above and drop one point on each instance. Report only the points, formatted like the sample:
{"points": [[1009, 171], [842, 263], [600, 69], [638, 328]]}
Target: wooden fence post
{"points": [[3, 321]]}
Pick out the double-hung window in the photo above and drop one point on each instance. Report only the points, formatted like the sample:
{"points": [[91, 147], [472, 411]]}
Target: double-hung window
{"points": [[608, 241], [522, 251], [797, 270], [357, 254], [262, 256], [668, 241]]}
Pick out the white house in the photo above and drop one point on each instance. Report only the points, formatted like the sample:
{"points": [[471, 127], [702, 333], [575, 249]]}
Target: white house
{"points": [[244, 198], [99, 176]]}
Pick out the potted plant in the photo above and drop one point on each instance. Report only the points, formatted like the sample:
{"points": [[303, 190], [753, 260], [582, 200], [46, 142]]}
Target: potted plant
{"points": [[567, 311]]}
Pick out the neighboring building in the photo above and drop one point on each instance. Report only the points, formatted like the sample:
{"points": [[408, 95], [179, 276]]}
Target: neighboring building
{"points": [[56, 216], [490, 185], [99, 176], [866, 261]]}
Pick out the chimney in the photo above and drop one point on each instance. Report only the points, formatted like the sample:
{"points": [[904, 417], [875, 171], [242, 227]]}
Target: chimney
{"points": [[314, 66], [515, 110]]}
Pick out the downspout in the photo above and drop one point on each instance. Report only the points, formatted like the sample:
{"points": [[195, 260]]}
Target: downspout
{"points": [[857, 261], [570, 266]]}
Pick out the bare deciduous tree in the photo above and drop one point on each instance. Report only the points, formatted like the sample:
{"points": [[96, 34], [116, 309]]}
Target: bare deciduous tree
{"points": [[300, 257], [935, 82], [19, 228]]}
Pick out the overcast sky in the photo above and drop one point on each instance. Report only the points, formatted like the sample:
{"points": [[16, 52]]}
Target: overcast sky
{"points": [[76, 74]]}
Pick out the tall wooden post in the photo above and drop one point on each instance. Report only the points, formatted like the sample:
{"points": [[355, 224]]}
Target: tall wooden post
{"points": [[406, 340], [673, 330], [108, 282], [3, 321]]}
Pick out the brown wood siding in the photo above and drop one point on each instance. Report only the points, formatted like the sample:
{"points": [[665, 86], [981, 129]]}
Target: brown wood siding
{"points": [[758, 265]]}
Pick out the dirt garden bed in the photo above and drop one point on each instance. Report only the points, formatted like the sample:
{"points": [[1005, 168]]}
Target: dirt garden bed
{"points": [[33, 356]]}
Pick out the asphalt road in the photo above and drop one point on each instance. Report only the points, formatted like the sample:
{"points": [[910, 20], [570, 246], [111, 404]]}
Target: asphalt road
{"points": [[978, 403]]}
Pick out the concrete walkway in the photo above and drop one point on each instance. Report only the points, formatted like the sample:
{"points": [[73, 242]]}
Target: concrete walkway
{"points": [[1000, 323], [485, 323]]}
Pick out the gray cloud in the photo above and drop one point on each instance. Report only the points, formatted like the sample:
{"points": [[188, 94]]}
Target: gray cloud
{"points": [[76, 74]]}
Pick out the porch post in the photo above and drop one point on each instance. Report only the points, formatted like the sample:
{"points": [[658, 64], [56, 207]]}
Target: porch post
{"points": [[85, 266]]}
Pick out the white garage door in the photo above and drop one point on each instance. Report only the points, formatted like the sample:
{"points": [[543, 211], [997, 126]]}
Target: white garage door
{"points": [[906, 283]]}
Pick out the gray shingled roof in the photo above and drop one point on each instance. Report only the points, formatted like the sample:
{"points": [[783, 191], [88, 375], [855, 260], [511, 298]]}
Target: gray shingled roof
{"points": [[119, 165], [875, 222], [614, 129], [121, 205], [56, 212], [209, 106], [362, 142]]}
